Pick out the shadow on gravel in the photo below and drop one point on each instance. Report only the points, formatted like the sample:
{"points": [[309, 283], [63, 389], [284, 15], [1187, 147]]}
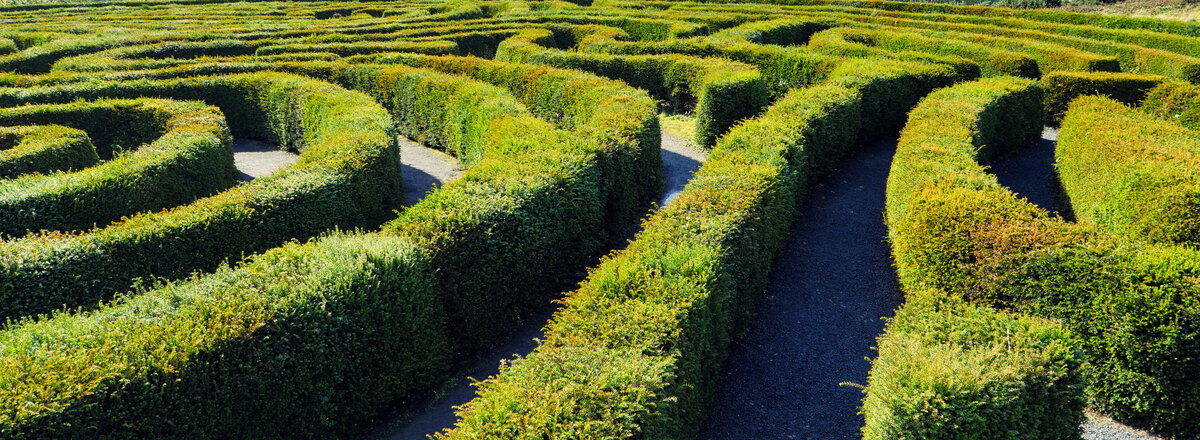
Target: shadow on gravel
{"points": [[1030, 173], [253, 159], [424, 169], [818, 320]]}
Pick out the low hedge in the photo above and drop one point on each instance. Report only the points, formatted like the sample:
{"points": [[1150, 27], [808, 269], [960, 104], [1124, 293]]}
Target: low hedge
{"points": [[308, 340], [1130, 173], [348, 176], [721, 92], [1134, 309], [992, 61], [44, 149], [637, 349], [1175, 101], [346, 49], [833, 42], [947, 369], [187, 156], [1064, 87]]}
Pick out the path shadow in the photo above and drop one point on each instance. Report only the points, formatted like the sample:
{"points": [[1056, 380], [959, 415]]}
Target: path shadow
{"points": [[417, 183], [1030, 173], [253, 159], [677, 171]]}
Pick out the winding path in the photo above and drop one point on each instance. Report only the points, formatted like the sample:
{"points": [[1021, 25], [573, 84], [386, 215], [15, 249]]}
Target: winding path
{"points": [[424, 169], [418, 420], [818, 320]]}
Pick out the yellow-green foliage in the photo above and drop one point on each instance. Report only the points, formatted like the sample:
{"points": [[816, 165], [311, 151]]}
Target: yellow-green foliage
{"points": [[44, 149], [1064, 87], [1132, 174]]}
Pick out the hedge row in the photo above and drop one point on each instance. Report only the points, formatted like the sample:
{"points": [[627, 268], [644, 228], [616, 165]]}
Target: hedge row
{"points": [[1175, 101], [833, 42], [185, 154], [44, 149], [1063, 87], [621, 122], [307, 340], [637, 350], [348, 176], [947, 369], [1133, 175], [1134, 309], [992, 61], [721, 92]]}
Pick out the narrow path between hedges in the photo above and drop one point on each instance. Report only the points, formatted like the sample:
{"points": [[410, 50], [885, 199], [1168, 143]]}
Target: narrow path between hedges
{"points": [[253, 159], [817, 322], [436, 413], [1030, 174], [424, 169]]}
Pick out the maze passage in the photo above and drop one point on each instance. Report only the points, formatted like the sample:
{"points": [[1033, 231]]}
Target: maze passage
{"points": [[150, 291]]}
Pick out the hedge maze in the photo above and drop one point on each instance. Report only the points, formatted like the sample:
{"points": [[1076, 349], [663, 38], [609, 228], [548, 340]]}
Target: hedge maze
{"points": [[147, 294]]}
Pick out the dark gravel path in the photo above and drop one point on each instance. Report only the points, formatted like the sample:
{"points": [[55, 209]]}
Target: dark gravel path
{"points": [[435, 413], [254, 159], [818, 320], [1030, 174]]}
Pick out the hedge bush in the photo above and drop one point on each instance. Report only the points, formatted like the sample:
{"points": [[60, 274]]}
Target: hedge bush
{"points": [[947, 369], [721, 92], [187, 155], [44, 149], [1133, 175], [348, 176], [637, 349], [1175, 101], [1132, 308], [1064, 87]]}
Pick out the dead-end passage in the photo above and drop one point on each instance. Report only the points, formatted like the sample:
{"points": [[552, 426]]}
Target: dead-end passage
{"points": [[830, 289]]}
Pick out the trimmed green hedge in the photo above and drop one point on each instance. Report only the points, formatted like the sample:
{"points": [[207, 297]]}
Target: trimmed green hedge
{"points": [[44, 149], [1130, 173], [309, 340], [187, 155], [1175, 101], [1134, 309], [637, 350], [947, 369], [833, 42], [1064, 87], [992, 61], [721, 92], [348, 176]]}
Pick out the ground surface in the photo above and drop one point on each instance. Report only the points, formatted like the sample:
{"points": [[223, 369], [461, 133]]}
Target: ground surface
{"points": [[253, 159], [424, 169], [1166, 9]]}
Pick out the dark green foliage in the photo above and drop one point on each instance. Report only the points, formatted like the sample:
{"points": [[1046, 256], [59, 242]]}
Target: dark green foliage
{"points": [[1064, 87], [44, 149]]}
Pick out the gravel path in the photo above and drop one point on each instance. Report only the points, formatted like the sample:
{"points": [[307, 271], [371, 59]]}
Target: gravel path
{"points": [[253, 159], [424, 169], [818, 320], [1030, 174], [435, 413], [680, 161]]}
